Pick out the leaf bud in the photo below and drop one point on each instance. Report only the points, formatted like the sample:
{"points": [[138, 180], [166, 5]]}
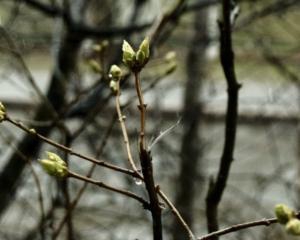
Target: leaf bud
{"points": [[54, 165], [293, 227], [283, 213], [2, 112], [115, 72], [128, 54]]}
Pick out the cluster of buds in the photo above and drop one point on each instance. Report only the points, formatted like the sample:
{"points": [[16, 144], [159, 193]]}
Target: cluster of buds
{"points": [[54, 165], [287, 217], [115, 75], [2, 112], [136, 60]]}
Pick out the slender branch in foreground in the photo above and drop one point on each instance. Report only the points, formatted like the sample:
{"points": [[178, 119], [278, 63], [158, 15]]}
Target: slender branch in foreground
{"points": [[147, 167], [69, 150], [113, 189], [176, 213], [124, 130], [237, 227], [142, 107]]}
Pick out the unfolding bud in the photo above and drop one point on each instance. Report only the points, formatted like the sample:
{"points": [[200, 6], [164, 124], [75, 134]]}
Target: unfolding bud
{"points": [[115, 72], [136, 60], [145, 48], [293, 227], [2, 112], [128, 54], [54, 165], [283, 213]]}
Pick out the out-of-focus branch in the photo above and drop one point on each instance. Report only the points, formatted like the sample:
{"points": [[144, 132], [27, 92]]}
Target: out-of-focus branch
{"points": [[80, 192], [218, 186], [273, 8], [82, 29]]}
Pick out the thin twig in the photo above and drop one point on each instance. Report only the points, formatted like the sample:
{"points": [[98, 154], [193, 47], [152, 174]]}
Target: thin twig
{"points": [[142, 107], [124, 130], [36, 180], [108, 187], [237, 227], [176, 213], [85, 184], [70, 151]]}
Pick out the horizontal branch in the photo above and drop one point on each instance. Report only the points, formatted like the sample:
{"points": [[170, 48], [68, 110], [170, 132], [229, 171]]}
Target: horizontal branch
{"points": [[113, 189], [69, 150], [237, 227]]}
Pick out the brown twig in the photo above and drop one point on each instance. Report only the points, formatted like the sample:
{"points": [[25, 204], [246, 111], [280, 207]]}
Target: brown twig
{"points": [[238, 227], [142, 107], [147, 168], [69, 150], [75, 201], [124, 130], [108, 187], [176, 213]]}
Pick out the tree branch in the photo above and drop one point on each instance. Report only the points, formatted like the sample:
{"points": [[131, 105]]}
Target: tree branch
{"points": [[217, 188]]}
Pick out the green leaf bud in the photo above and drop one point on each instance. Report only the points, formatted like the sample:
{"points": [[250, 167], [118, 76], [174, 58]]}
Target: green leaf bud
{"points": [[114, 86], [145, 48], [128, 54], [283, 213], [140, 58], [293, 227], [54, 165], [2, 112], [115, 72]]}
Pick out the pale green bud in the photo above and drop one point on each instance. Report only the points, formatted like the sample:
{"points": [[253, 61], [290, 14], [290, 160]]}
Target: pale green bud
{"points": [[293, 227], [114, 86], [115, 72], [145, 48], [2, 112], [128, 54], [54, 165], [283, 213], [140, 58], [53, 168]]}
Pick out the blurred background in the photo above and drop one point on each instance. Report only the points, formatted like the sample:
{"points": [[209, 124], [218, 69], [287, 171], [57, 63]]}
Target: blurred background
{"points": [[55, 57]]}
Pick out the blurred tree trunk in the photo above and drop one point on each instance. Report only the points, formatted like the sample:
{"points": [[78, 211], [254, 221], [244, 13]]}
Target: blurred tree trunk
{"points": [[191, 144], [10, 177]]}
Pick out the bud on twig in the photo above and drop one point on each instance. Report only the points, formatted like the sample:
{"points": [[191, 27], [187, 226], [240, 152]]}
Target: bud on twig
{"points": [[54, 165], [283, 213], [293, 227], [115, 74], [2, 112], [128, 54], [136, 60]]}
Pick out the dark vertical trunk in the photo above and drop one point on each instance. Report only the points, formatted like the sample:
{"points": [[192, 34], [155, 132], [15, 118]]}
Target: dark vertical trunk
{"points": [[191, 145], [10, 177]]}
